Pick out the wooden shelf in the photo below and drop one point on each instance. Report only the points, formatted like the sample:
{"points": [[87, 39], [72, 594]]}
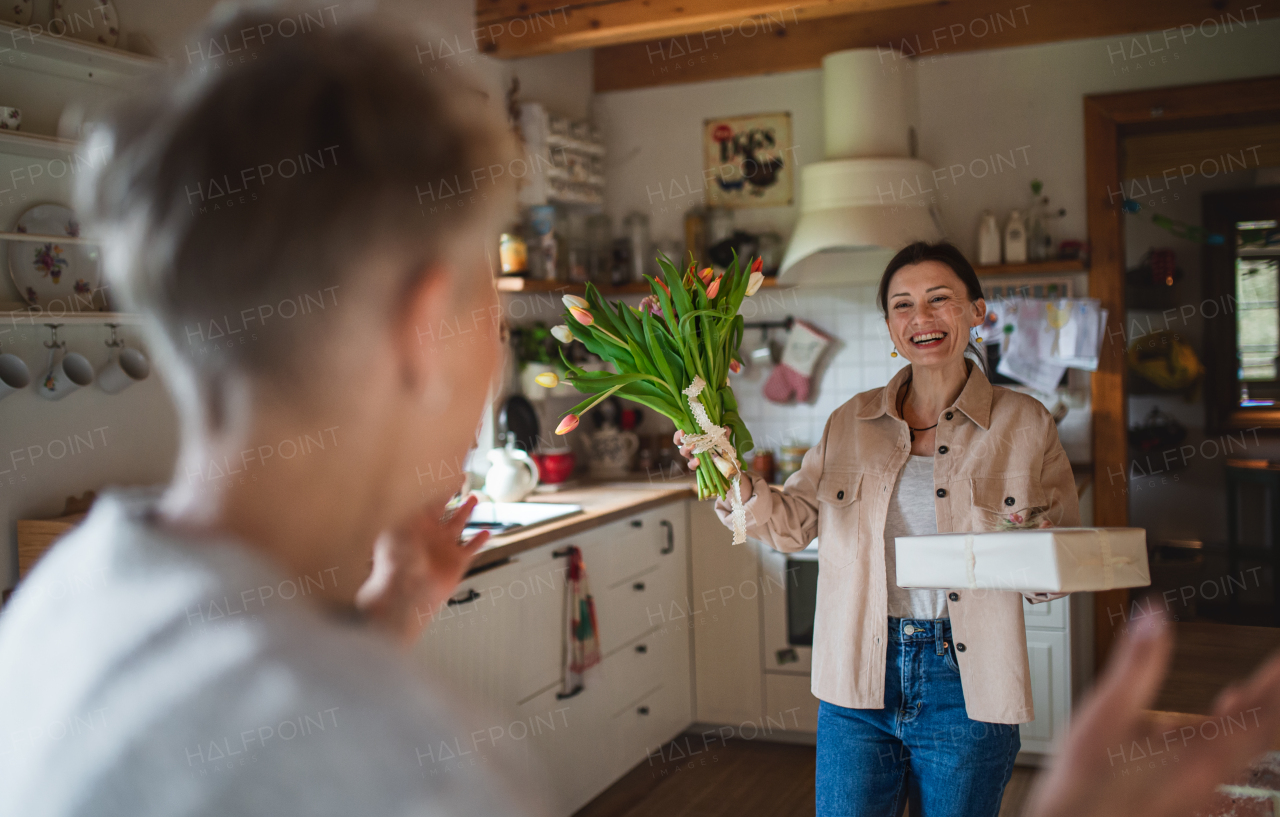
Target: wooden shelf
{"points": [[529, 286], [74, 59], [35, 145], [36, 238], [1032, 268], [32, 317]]}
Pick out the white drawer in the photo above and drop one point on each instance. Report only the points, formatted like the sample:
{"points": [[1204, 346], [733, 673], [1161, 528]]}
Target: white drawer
{"points": [[638, 603], [1048, 615], [641, 727]]}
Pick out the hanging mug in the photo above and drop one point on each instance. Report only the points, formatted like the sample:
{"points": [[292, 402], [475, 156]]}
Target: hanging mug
{"points": [[126, 367], [65, 375], [14, 375]]}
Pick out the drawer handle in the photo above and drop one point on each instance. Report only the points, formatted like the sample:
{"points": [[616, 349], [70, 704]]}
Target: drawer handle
{"points": [[644, 710], [641, 648], [472, 595], [671, 537], [638, 586], [560, 696]]}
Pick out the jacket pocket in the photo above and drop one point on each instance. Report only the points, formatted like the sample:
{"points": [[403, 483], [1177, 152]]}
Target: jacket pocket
{"points": [[838, 512], [1007, 502]]}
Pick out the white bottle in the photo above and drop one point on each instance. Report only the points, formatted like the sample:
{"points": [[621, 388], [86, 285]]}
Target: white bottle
{"points": [[988, 240], [1015, 239]]}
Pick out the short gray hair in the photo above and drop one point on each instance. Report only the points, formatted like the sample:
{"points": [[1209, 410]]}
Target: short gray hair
{"points": [[228, 190]]}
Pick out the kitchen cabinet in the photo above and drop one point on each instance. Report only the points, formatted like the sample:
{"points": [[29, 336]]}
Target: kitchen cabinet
{"points": [[501, 644], [1060, 656]]}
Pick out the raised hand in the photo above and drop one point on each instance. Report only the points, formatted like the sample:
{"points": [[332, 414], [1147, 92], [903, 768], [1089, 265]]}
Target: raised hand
{"points": [[1108, 766], [417, 568]]}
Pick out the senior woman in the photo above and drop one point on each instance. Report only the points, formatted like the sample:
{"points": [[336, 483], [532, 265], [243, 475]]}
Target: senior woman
{"points": [[920, 691]]}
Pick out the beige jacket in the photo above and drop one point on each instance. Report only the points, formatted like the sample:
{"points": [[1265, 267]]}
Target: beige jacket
{"points": [[997, 453]]}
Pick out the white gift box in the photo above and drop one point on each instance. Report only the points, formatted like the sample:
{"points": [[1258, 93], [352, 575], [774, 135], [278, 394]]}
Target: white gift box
{"points": [[1044, 560]]}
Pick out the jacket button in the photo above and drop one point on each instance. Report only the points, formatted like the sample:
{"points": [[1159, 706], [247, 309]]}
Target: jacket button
{"points": [[959, 647], [942, 449], [839, 494], [954, 596], [949, 415], [1008, 500], [942, 492]]}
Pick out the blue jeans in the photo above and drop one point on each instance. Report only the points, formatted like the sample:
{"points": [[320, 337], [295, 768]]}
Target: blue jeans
{"points": [[921, 747]]}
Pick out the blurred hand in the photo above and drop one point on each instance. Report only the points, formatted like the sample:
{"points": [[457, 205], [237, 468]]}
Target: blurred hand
{"points": [[417, 568], [1112, 735], [686, 451]]}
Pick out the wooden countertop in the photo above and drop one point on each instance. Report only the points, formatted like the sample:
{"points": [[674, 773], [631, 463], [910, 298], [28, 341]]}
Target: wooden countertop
{"points": [[601, 503]]}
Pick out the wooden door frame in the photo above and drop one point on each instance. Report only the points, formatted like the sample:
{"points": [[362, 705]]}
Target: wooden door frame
{"points": [[1108, 118]]}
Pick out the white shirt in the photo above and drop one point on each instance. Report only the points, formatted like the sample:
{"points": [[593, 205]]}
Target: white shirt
{"points": [[911, 513], [145, 675]]}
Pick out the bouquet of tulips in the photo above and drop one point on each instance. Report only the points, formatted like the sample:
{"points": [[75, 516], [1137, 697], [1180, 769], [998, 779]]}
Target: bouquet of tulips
{"points": [[673, 354]]}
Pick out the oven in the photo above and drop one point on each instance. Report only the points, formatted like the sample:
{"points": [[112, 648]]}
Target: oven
{"points": [[789, 592]]}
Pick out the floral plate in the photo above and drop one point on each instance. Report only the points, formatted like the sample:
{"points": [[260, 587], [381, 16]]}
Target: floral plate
{"points": [[49, 274]]}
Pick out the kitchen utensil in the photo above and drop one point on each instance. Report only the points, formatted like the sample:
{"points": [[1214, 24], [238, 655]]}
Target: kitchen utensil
{"points": [[10, 118], [67, 372], [554, 467], [518, 423], [611, 452], [512, 474], [636, 227], [67, 275], [125, 367], [17, 12], [14, 375], [94, 21]]}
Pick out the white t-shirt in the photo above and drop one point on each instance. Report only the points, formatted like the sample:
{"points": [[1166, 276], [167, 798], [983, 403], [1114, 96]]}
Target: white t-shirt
{"points": [[911, 513], [144, 675]]}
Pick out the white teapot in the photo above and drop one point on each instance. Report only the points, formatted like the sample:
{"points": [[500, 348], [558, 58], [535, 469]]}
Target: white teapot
{"points": [[512, 476]]}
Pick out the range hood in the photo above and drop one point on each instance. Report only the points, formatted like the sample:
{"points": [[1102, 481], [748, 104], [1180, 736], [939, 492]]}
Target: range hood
{"points": [[863, 203]]}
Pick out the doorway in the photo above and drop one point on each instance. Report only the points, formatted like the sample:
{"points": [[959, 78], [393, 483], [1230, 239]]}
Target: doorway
{"points": [[1164, 167]]}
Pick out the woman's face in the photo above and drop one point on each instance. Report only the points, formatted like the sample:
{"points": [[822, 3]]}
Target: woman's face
{"points": [[930, 314]]}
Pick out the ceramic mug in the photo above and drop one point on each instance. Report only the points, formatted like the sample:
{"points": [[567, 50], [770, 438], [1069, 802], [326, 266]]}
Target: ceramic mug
{"points": [[126, 367], [555, 467], [14, 375], [10, 118], [65, 375]]}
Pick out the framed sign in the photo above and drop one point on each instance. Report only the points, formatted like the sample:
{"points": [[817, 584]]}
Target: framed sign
{"points": [[749, 160]]}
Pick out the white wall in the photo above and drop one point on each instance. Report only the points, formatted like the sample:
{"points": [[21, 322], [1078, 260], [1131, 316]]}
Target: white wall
{"points": [[973, 106]]}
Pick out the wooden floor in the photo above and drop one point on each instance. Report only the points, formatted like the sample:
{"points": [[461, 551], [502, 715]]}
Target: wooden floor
{"points": [[734, 778], [1207, 657]]}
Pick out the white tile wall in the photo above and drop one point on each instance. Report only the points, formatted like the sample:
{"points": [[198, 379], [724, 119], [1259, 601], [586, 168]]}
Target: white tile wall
{"points": [[859, 360]]}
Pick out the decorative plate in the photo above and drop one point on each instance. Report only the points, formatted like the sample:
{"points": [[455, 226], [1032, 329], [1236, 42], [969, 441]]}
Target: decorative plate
{"points": [[66, 275], [94, 21], [17, 12]]}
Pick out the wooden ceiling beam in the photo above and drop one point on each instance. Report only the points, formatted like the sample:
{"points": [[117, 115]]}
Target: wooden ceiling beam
{"points": [[927, 31], [524, 28]]}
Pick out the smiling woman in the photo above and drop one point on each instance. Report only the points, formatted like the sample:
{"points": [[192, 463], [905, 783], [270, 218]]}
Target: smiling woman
{"points": [[938, 450]]}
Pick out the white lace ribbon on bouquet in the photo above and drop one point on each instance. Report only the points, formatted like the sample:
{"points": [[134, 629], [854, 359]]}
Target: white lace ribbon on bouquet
{"points": [[715, 439]]}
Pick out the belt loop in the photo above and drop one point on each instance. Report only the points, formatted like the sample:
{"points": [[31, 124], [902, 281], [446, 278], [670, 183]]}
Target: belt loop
{"points": [[937, 636]]}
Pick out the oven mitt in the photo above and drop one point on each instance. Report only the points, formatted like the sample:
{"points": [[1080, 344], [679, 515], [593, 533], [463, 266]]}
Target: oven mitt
{"points": [[792, 378]]}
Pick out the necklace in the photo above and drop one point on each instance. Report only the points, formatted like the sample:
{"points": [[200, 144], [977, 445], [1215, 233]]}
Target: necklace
{"points": [[902, 401]]}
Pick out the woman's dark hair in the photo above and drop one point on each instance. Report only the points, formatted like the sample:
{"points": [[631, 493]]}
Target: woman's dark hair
{"points": [[944, 252]]}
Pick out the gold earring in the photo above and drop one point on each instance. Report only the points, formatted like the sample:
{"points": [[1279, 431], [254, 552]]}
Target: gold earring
{"points": [[894, 353], [979, 339]]}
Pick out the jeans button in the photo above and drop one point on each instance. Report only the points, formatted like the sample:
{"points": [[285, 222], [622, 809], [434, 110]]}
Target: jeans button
{"points": [[908, 629]]}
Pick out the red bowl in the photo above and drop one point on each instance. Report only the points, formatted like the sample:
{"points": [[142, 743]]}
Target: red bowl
{"points": [[555, 468]]}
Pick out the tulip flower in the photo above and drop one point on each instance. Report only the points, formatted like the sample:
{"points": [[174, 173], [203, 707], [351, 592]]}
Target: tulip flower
{"points": [[582, 316], [713, 288], [650, 304], [562, 333], [754, 283], [734, 366], [569, 423], [573, 300], [547, 380], [706, 275], [758, 265]]}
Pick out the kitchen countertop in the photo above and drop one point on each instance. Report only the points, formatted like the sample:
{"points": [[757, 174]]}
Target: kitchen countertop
{"points": [[601, 503]]}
